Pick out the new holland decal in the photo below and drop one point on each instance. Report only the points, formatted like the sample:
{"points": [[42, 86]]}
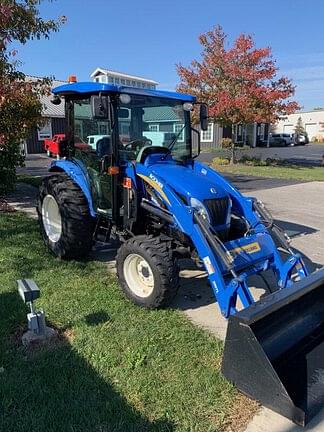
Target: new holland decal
{"points": [[249, 248], [156, 184]]}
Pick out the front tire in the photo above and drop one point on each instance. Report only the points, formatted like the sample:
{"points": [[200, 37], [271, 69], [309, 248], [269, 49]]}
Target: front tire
{"points": [[64, 217], [147, 272]]}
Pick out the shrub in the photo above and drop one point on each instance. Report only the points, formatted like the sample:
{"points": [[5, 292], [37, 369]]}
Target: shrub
{"points": [[252, 161], [226, 142], [10, 157], [221, 161]]}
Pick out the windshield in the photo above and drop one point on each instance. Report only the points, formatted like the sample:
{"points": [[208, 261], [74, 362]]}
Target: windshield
{"points": [[152, 121]]}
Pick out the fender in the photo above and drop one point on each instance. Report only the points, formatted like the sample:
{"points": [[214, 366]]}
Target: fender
{"points": [[78, 175]]}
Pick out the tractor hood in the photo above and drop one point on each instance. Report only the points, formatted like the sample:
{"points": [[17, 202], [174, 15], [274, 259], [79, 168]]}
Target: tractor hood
{"points": [[187, 182]]}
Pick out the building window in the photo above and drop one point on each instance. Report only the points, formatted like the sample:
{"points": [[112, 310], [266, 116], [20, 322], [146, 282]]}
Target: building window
{"points": [[111, 80], [154, 128], [124, 129], [133, 83], [103, 128], [176, 129], [208, 134], [45, 131], [123, 81], [128, 82], [78, 129], [116, 80], [238, 133], [97, 79]]}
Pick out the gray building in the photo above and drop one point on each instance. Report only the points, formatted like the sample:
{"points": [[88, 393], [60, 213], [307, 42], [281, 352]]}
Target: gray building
{"points": [[54, 122]]}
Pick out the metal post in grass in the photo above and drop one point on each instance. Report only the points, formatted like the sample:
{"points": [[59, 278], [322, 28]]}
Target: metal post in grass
{"points": [[37, 328]]}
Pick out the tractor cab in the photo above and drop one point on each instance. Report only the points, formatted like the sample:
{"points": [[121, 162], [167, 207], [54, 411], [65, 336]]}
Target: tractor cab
{"points": [[121, 126]]}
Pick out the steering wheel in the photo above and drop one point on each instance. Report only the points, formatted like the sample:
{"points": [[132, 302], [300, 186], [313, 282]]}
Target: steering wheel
{"points": [[133, 145]]}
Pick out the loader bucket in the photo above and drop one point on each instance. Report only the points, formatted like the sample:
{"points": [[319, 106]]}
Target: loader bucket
{"points": [[274, 350]]}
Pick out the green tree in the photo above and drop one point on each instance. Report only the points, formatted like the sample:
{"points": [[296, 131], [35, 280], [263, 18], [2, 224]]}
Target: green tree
{"points": [[20, 107], [299, 128]]}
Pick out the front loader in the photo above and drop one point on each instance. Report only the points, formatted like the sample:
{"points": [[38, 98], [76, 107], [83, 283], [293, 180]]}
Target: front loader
{"points": [[142, 183]]}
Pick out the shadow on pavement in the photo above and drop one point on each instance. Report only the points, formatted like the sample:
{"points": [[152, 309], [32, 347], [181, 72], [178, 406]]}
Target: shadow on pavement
{"points": [[52, 388], [294, 229]]}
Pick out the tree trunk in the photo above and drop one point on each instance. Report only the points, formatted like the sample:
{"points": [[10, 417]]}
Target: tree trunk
{"points": [[232, 159]]}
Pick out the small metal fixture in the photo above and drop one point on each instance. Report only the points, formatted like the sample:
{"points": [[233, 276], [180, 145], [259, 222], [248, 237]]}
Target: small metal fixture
{"points": [[37, 329]]}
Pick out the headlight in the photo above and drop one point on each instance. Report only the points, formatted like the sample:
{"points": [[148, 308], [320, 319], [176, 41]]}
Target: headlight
{"points": [[201, 209]]}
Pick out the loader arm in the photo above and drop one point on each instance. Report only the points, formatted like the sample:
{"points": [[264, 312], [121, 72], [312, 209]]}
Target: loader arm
{"points": [[230, 263]]}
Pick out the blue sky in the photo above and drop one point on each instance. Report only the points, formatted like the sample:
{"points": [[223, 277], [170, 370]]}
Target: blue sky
{"points": [[148, 37]]}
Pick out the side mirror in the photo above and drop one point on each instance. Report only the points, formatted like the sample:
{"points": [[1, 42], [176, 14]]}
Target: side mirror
{"points": [[100, 107], [56, 100], [203, 115]]}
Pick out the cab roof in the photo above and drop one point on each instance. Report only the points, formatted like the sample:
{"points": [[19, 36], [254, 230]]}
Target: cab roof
{"points": [[95, 87]]}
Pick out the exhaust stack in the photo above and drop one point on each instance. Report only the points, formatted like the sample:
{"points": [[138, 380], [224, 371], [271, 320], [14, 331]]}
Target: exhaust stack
{"points": [[274, 350]]}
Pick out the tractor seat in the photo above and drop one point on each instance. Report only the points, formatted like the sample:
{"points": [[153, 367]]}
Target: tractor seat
{"points": [[104, 147], [148, 150]]}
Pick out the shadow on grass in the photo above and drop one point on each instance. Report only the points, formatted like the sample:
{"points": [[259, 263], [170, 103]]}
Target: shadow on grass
{"points": [[51, 388]]}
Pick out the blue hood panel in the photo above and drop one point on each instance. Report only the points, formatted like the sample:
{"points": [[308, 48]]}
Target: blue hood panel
{"points": [[187, 181]]}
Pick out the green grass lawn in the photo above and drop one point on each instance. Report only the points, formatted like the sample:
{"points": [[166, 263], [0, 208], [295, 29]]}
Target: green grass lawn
{"points": [[286, 172], [116, 367], [32, 180]]}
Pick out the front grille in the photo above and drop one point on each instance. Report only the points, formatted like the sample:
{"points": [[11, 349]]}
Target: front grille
{"points": [[218, 210]]}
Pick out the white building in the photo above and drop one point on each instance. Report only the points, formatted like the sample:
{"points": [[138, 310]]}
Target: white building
{"points": [[119, 78], [312, 121]]}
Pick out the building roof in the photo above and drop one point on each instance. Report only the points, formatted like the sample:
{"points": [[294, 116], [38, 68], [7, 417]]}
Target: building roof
{"points": [[101, 71], [94, 87], [49, 109]]}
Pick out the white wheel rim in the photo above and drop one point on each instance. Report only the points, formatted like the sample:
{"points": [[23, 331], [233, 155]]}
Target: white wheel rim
{"points": [[52, 220], [138, 275]]}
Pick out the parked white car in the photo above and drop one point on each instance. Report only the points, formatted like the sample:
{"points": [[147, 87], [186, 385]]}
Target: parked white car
{"points": [[287, 137], [93, 139]]}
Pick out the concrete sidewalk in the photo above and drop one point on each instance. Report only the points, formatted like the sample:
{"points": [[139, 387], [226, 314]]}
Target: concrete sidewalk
{"points": [[24, 199]]}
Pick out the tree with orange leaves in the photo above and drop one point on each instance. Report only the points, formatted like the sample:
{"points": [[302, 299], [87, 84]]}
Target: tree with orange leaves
{"points": [[239, 83]]}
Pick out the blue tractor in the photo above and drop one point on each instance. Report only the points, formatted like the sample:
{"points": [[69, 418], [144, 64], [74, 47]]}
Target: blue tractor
{"points": [[141, 181]]}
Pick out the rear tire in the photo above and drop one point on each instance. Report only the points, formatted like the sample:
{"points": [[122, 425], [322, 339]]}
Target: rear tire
{"points": [[147, 272], [64, 217]]}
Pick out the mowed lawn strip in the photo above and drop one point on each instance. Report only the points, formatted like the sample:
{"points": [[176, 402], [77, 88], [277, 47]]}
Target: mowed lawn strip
{"points": [[31, 180], [116, 367], [286, 172]]}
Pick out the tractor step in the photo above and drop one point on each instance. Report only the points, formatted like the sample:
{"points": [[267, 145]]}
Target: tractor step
{"points": [[102, 230]]}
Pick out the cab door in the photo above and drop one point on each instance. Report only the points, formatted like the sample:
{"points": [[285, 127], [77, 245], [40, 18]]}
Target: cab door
{"points": [[96, 158]]}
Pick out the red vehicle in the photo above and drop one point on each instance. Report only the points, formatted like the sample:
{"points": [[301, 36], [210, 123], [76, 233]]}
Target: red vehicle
{"points": [[51, 146]]}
